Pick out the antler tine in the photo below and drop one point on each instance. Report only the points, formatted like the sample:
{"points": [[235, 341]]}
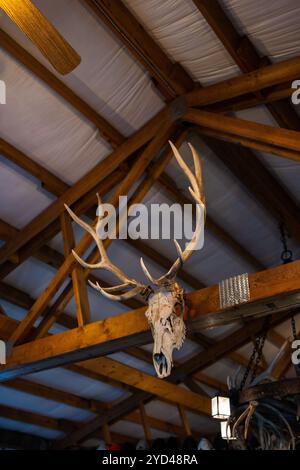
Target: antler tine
{"points": [[127, 295], [105, 262], [196, 190], [92, 232]]}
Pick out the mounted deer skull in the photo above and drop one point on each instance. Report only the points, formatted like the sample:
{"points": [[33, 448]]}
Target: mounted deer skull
{"points": [[168, 328]]}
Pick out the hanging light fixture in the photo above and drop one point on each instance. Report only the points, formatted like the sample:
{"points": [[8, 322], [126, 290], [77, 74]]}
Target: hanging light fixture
{"points": [[226, 431], [220, 407]]}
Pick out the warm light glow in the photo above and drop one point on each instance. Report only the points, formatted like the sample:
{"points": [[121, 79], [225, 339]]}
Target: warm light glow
{"points": [[226, 431], [220, 407]]}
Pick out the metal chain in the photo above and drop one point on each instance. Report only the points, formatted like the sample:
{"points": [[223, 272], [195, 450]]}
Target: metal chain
{"points": [[294, 331], [286, 254], [259, 354], [249, 365], [257, 351]]}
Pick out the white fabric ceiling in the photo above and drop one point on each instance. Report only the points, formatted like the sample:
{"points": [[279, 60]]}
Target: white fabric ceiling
{"points": [[51, 132]]}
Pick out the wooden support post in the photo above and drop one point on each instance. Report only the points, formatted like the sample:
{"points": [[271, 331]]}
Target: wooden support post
{"points": [[106, 434], [145, 423], [78, 279], [185, 420]]}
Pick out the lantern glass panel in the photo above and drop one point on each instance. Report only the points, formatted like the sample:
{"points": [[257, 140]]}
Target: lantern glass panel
{"points": [[220, 407]]}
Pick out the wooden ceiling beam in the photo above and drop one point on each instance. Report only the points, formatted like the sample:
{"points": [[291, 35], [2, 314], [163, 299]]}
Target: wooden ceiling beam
{"points": [[23, 300], [49, 393], [245, 56], [265, 77], [278, 137], [248, 143], [170, 77], [267, 288], [148, 384], [37, 419], [247, 101], [107, 131], [48, 180]]}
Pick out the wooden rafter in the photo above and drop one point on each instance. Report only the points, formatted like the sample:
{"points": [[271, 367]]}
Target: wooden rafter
{"points": [[265, 77], [248, 143], [245, 56], [107, 131], [277, 137], [170, 77]]}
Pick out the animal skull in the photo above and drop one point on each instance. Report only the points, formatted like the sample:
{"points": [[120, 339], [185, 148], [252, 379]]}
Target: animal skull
{"points": [[167, 326]]}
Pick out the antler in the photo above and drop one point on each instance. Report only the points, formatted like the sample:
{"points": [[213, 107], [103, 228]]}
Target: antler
{"points": [[105, 262], [196, 190]]}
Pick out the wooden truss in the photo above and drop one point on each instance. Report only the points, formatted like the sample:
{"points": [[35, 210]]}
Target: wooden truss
{"points": [[189, 108]]}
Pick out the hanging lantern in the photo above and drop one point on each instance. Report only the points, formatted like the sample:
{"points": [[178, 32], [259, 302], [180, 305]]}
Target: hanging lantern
{"points": [[226, 431], [220, 407]]}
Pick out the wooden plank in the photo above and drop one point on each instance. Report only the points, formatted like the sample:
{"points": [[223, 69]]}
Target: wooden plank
{"points": [[107, 131], [265, 77], [171, 77], [131, 328], [261, 132]]}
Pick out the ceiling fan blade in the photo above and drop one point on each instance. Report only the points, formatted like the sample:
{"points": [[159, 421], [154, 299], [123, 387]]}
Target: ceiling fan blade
{"points": [[42, 33]]}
